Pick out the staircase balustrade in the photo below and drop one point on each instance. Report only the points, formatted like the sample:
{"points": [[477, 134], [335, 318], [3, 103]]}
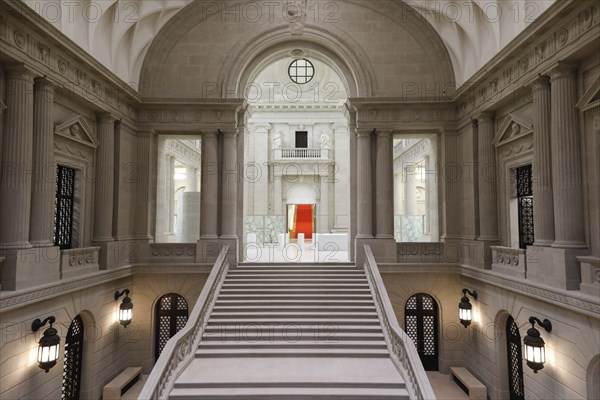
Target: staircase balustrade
{"points": [[181, 348], [402, 349]]}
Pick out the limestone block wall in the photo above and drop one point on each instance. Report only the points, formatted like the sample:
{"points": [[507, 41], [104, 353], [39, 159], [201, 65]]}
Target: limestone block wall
{"points": [[108, 347]]}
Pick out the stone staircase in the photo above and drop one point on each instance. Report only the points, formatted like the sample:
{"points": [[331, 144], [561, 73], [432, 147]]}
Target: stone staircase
{"points": [[292, 332]]}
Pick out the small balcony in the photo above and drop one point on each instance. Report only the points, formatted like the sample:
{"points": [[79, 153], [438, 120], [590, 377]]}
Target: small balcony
{"points": [[301, 154]]}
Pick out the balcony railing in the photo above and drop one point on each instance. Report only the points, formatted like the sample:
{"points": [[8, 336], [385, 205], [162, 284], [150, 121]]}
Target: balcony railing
{"points": [[300, 154]]}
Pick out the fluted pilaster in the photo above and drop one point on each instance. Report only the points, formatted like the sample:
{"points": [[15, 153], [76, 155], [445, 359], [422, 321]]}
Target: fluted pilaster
{"points": [[44, 172], [451, 177], [566, 159], [210, 187], [142, 194], [488, 178], [384, 171], [364, 185], [105, 174], [230, 183], [17, 160], [543, 201]]}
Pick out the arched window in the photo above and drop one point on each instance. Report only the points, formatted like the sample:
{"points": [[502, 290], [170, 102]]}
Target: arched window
{"points": [[515, 361], [421, 323], [71, 386], [171, 316]]}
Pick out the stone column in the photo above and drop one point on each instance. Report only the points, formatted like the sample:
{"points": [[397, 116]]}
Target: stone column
{"points": [[210, 186], [142, 192], [17, 163], [488, 178], [566, 159], [323, 210], [230, 184], [364, 185], [277, 194], [105, 173], [190, 179], [171, 194], [44, 172], [543, 202], [410, 190], [385, 186], [450, 175]]}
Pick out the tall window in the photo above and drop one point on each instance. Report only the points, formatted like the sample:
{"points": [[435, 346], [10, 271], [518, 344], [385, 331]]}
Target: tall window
{"points": [[71, 386], [171, 317], [525, 198], [515, 363], [63, 207], [421, 323]]}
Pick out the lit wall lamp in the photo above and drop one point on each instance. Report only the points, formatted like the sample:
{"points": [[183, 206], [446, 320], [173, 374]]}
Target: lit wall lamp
{"points": [[465, 309], [534, 345], [49, 344], [125, 309]]}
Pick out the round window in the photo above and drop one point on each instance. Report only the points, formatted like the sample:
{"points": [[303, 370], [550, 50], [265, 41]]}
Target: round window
{"points": [[301, 71]]}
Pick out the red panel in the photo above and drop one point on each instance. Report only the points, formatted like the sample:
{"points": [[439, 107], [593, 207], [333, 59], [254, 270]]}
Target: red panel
{"points": [[304, 221]]}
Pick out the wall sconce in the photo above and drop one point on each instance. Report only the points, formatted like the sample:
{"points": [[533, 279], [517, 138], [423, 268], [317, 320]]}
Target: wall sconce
{"points": [[465, 312], [125, 309], [49, 344], [534, 345]]}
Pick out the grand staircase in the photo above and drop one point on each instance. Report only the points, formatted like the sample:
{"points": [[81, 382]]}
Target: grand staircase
{"points": [[292, 332]]}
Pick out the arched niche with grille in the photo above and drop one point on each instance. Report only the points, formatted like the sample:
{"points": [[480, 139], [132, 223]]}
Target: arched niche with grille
{"points": [[171, 315], [73, 360], [422, 326], [516, 385]]}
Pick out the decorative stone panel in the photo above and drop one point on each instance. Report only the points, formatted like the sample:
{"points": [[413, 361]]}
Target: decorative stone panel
{"points": [[420, 252], [172, 252], [77, 262], [509, 261], [590, 275]]}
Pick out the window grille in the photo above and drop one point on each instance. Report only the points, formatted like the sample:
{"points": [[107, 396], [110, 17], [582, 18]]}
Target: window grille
{"points": [[71, 386], [63, 207], [171, 317], [525, 198]]}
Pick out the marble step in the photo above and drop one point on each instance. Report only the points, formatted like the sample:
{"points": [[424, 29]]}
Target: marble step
{"points": [[351, 345], [302, 307], [291, 303], [291, 393], [292, 334], [260, 351], [295, 281], [323, 329], [291, 314], [294, 297], [296, 321], [295, 291]]}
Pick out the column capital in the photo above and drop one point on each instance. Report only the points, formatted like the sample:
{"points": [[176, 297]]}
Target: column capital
{"points": [[563, 69], [19, 71], [43, 83], [541, 82], [229, 133], [105, 117], [384, 133], [209, 135], [364, 133], [146, 133], [486, 116]]}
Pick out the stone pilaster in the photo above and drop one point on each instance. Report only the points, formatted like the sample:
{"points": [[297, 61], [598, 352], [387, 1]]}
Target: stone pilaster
{"points": [[451, 177], [105, 173], [488, 178], [171, 194], [17, 160], [364, 185], [230, 176], [542, 164], [567, 187], [384, 171], [209, 221], [323, 210], [44, 169], [143, 207]]}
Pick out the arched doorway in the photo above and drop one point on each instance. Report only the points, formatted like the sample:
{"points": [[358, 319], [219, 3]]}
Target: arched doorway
{"points": [[171, 315], [422, 326], [73, 363], [515, 361]]}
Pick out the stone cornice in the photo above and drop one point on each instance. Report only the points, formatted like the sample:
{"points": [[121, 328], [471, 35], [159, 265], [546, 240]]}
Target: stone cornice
{"points": [[386, 113], [190, 116], [567, 27]]}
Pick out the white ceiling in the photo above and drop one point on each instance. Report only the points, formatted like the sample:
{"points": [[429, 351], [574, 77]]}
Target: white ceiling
{"points": [[118, 33]]}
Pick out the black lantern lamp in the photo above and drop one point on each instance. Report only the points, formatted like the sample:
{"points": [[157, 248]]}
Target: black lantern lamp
{"points": [[534, 345], [49, 344], [465, 309], [125, 309]]}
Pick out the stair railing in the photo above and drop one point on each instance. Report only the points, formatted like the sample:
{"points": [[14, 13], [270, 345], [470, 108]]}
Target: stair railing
{"points": [[181, 348], [402, 349]]}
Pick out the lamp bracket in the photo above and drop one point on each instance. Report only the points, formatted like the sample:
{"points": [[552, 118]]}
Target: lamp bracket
{"points": [[119, 294], [38, 323], [473, 293], [546, 324]]}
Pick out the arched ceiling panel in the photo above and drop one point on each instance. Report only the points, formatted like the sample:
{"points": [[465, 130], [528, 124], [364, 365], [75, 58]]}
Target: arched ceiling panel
{"points": [[116, 30]]}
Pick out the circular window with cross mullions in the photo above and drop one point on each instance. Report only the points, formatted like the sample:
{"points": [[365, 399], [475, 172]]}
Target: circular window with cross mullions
{"points": [[301, 71]]}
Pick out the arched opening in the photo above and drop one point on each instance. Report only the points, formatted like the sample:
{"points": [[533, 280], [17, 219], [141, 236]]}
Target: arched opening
{"points": [[296, 203], [593, 378], [171, 315], [516, 384], [73, 360], [421, 323]]}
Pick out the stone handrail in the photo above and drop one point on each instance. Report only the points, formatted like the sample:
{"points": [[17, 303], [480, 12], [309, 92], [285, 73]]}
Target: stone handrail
{"points": [[402, 350], [181, 348]]}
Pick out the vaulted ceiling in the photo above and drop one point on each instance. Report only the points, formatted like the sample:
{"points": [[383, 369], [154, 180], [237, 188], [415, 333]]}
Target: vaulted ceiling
{"points": [[118, 33]]}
